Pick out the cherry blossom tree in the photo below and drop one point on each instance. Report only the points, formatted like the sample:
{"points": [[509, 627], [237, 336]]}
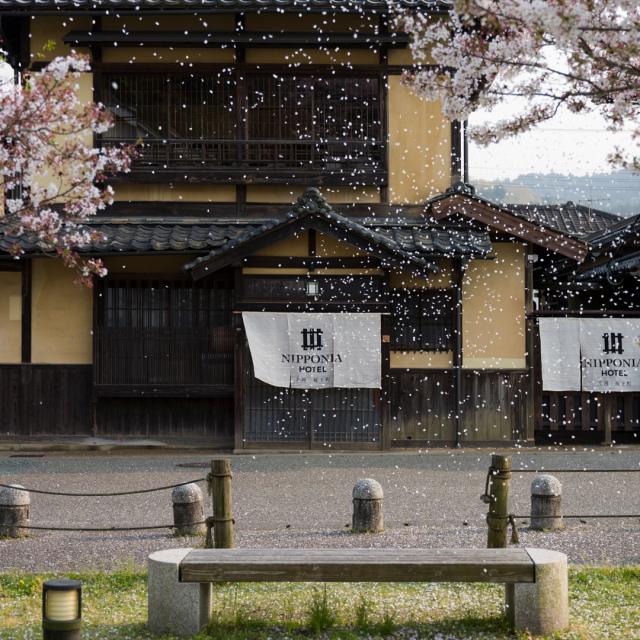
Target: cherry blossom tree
{"points": [[49, 169], [582, 55]]}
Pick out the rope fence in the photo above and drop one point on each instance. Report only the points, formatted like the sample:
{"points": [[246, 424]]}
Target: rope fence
{"points": [[158, 526], [102, 495]]}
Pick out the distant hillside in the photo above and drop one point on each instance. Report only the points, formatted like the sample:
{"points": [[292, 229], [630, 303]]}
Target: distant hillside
{"points": [[617, 192]]}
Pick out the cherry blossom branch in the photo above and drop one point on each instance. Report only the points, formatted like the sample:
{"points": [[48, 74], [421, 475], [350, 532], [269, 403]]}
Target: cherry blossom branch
{"points": [[49, 170]]}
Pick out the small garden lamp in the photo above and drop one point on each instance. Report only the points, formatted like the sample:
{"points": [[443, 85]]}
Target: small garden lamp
{"points": [[61, 609]]}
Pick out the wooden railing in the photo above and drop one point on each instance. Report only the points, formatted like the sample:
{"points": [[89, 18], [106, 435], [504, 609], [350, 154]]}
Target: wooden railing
{"points": [[252, 155], [162, 358]]}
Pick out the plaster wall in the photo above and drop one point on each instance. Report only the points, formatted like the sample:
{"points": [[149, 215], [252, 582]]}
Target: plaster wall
{"points": [[10, 317], [419, 147], [46, 28], [174, 193], [493, 308], [421, 360], [441, 280], [180, 55], [334, 195], [62, 315]]}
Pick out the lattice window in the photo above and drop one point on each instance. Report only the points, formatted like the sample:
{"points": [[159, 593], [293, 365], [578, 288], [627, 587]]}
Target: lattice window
{"points": [[137, 304], [422, 320], [313, 108], [170, 107]]}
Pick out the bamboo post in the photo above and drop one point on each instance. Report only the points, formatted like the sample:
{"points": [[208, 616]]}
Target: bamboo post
{"points": [[221, 498], [499, 504]]}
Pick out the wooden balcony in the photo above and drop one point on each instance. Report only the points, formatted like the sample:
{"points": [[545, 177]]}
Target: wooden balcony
{"points": [[163, 362], [255, 161]]}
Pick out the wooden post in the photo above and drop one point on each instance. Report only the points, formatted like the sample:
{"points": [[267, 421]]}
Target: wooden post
{"points": [[221, 498], [607, 400], [499, 504]]}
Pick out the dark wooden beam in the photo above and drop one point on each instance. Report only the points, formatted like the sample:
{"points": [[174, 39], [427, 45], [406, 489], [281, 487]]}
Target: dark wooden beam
{"points": [[338, 71], [27, 278], [506, 222], [314, 307], [246, 39], [161, 391], [312, 244], [193, 175], [313, 262]]}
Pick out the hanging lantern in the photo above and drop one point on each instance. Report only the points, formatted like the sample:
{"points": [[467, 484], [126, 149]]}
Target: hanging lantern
{"points": [[61, 609]]}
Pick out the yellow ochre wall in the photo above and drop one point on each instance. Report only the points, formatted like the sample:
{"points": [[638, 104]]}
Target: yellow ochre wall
{"points": [[284, 194], [493, 307], [10, 317], [62, 315], [174, 192], [419, 147], [43, 29]]}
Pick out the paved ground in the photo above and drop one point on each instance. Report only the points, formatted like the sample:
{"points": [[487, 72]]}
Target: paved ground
{"points": [[304, 500]]}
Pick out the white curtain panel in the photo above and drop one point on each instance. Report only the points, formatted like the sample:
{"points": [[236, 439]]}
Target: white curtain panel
{"points": [[315, 351], [357, 336], [268, 336], [610, 349], [560, 354]]}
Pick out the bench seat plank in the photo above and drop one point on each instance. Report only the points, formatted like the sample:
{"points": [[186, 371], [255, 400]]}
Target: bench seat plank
{"points": [[357, 565]]}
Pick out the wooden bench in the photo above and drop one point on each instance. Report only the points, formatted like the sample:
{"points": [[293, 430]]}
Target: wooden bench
{"points": [[180, 579]]}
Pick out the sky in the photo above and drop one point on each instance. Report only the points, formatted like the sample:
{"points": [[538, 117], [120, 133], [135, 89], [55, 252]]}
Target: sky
{"points": [[568, 144]]}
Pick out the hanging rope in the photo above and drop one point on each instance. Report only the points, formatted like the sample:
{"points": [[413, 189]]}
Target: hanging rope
{"points": [[158, 526], [101, 495], [209, 480], [509, 520]]}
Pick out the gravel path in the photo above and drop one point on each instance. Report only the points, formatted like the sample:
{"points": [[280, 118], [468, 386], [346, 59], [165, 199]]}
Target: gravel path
{"points": [[305, 501]]}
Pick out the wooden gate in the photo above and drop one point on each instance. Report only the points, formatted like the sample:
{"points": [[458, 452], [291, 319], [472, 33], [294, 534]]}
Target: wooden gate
{"points": [[309, 418]]}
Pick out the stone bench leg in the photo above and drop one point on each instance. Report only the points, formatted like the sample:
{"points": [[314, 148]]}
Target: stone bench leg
{"points": [[541, 607], [178, 608]]}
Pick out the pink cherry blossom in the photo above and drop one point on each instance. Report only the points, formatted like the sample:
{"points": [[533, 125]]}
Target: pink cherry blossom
{"points": [[583, 55], [50, 171]]}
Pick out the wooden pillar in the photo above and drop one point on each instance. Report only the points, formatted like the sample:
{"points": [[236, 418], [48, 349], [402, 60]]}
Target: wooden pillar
{"points": [[607, 400], [456, 152], [27, 276], [221, 498], [385, 392], [528, 429], [239, 381], [499, 501]]}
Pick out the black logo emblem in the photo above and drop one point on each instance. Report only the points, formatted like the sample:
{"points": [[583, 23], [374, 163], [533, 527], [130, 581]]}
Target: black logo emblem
{"points": [[311, 339], [613, 343]]}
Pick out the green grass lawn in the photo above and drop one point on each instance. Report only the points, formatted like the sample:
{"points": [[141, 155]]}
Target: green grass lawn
{"points": [[603, 603]]}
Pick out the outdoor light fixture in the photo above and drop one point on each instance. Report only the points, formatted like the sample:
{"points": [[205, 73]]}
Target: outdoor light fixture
{"points": [[61, 609], [313, 288]]}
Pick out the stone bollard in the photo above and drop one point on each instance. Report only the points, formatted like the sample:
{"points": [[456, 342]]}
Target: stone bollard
{"points": [[14, 510], [546, 500], [187, 507], [367, 506]]}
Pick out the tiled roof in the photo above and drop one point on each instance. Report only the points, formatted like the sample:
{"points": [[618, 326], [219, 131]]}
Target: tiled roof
{"points": [[342, 5], [414, 243], [570, 218]]}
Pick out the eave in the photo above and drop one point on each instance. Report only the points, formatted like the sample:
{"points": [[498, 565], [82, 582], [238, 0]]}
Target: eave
{"points": [[504, 221]]}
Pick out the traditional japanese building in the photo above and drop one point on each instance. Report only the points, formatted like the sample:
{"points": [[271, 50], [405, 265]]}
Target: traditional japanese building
{"points": [[589, 320], [285, 176]]}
